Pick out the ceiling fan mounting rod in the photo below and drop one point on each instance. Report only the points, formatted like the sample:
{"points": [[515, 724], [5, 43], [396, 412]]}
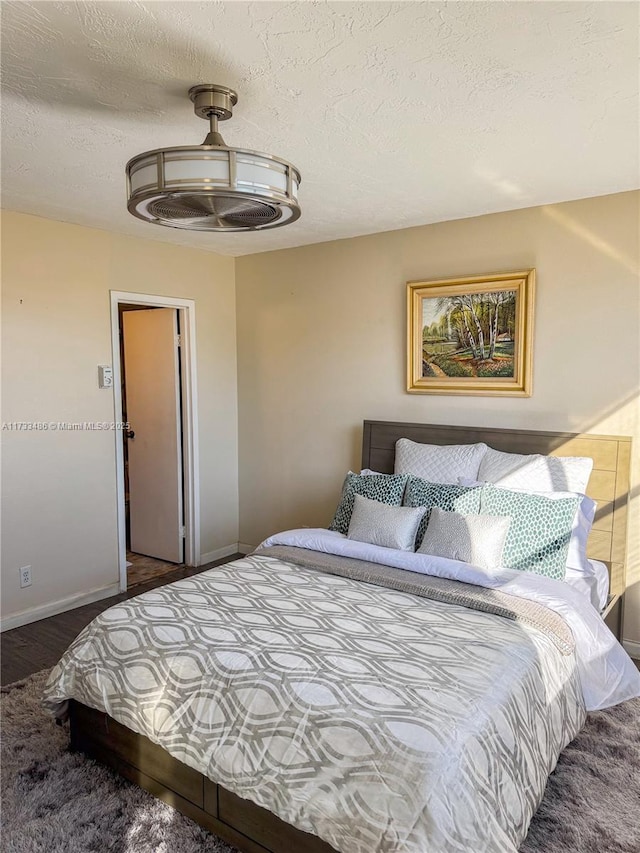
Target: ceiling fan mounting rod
{"points": [[213, 103]]}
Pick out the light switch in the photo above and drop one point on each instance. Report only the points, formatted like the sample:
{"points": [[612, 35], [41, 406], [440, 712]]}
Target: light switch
{"points": [[105, 376]]}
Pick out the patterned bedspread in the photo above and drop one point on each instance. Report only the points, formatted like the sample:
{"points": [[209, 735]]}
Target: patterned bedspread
{"points": [[380, 720]]}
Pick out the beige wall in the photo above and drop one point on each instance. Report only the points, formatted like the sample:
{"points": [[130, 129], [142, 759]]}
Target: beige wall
{"points": [[321, 346], [59, 491]]}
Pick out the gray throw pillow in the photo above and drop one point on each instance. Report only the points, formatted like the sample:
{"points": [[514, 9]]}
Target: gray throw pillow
{"points": [[475, 539], [381, 524], [462, 499]]}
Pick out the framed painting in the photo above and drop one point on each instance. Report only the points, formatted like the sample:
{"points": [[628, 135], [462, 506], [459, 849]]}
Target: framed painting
{"points": [[471, 335]]}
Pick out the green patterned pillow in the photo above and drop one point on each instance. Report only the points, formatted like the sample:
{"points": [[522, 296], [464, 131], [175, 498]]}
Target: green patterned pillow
{"points": [[385, 488], [462, 499], [538, 538]]}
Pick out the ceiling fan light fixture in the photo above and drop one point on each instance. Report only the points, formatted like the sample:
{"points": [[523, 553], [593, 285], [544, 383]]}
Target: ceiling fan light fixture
{"points": [[212, 187]]}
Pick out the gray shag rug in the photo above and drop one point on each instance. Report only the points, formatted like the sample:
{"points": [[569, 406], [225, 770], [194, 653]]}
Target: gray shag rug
{"points": [[60, 802]]}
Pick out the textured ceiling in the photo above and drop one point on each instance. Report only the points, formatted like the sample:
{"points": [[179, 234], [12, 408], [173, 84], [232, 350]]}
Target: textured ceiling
{"points": [[396, 114]]}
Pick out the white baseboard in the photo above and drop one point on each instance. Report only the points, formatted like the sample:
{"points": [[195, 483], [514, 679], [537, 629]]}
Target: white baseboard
{"points": [[219, 553], [632, 648], [34, 614], [243, 548]]}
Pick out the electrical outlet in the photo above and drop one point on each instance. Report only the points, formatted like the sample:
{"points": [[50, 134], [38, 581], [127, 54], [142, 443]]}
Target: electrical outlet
{"points": [[25, 576]]}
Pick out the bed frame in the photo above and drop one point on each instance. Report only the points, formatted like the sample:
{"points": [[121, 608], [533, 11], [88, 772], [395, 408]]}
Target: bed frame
{"points": [[255, 830]]}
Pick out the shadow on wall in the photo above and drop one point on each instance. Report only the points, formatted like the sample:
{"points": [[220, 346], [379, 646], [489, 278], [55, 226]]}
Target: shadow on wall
{"points": [[588, 236], [508, 188]]}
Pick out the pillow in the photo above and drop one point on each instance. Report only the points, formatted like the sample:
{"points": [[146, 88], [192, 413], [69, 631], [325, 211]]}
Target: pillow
{"points": [[438, 464], [538, 538], [535, 473], [475, 539], [580, 529], [386, 488], [451, 498], [381, 524], [582, 523]]}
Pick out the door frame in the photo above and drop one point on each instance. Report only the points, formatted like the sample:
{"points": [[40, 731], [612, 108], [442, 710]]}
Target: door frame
{"points": [[190, 450]]}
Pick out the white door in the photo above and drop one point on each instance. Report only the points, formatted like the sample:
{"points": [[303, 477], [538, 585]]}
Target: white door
{"points": [[152, 388]]}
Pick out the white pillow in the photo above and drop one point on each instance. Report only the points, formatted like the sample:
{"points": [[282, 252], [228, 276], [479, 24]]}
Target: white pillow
{"points": [[438, 464], [381, 524], [475, 539], [582, 524], [580, 529], [534, 472]]}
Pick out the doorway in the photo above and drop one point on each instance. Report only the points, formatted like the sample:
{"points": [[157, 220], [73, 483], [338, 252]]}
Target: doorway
{"points": [[152, 441], [156, 451]]}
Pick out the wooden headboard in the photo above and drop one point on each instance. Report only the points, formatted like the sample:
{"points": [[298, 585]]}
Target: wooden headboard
{"points": [[608, 484]]}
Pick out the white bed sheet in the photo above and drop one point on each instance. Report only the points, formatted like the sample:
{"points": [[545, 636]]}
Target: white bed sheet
{"points": [[594, 585], [608, 676]]}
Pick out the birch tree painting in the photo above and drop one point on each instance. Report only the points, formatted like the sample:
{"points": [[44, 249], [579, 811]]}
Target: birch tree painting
{"points": [[469, 334]]}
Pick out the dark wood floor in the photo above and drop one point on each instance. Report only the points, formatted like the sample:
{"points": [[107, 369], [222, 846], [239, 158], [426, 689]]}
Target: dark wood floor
{"points": [[41, 644]]}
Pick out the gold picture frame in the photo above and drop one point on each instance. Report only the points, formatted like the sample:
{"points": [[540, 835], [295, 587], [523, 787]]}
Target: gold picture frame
{"points": [[471, 335]]}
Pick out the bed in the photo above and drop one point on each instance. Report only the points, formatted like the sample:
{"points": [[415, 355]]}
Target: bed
{"points": [[362, 730]]}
